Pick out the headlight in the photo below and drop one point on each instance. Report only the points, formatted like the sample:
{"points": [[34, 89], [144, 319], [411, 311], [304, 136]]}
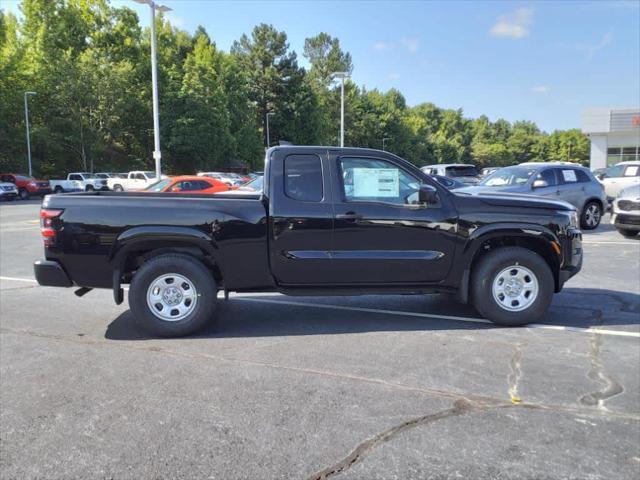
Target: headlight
{"points": [[573, 219]]}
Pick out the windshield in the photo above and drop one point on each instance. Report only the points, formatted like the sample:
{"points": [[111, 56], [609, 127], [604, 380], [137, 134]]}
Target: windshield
{"points": [[462, 171], [508, 176], [24, 177], [255, 185], [150, 174], [158, 186], [88, 175]]}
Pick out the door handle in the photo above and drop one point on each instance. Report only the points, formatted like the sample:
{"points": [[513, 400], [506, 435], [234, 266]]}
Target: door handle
{"points": [[352, 216], [557, 192]]}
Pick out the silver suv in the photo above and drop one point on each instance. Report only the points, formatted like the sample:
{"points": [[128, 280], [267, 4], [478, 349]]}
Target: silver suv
{"points": [[561, 181], [626, 211]]}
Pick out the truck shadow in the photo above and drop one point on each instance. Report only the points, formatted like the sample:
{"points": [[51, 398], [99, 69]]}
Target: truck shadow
{"points": [[266, 316]]}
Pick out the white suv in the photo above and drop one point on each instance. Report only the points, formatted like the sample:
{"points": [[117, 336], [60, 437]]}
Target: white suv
{"points": [[620, 176]]}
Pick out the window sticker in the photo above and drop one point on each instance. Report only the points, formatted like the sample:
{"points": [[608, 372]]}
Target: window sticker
{"points": [[631, 171], [569, 176], [376, 182]]}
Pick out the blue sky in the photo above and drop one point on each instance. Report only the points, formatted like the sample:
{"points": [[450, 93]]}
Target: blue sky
{"points": [[544, 61]]}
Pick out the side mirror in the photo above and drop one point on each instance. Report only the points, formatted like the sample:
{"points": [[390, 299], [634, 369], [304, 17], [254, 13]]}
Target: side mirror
{"points": [[539, 183], [601, 176], [427, 195], [176, 189]]}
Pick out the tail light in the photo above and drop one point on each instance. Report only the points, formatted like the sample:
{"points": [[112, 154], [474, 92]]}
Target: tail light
{"points": [[50, 225]]}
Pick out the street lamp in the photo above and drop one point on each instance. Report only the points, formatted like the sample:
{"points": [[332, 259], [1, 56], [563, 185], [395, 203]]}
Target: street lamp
{"points": [[154, 79], [384, 141], [26, 120], [267, 116], [341, 76]]}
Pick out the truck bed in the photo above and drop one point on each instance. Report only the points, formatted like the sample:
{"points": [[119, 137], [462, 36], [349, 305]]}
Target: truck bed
{"points": [[96, 226]]}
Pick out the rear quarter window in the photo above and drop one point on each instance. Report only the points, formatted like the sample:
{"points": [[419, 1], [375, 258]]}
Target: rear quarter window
{"points": [[303, 178]]}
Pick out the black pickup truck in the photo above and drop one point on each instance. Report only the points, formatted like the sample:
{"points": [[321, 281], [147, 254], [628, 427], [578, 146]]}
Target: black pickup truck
{"points": [[329, 221]]}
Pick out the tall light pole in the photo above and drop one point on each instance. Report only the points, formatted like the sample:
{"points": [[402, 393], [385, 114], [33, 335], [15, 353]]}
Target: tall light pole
{"points": [[26, 121], [268, 140], [341, 76], [154, 79], [384, 141]]}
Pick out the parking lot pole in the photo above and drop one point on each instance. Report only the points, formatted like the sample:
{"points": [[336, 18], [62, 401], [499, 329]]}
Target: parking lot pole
{"points": [[154, 79], [26, 120]]}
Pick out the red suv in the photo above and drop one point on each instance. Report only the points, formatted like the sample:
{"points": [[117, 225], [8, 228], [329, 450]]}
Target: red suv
{"points": [[27, 186]]}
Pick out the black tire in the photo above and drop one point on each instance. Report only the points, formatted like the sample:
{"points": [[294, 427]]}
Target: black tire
{"points": [[89, 188], [628, 233], [24, 194], [186, 266], [58, 189], [591, 215], [495, 262], [118, 188]]}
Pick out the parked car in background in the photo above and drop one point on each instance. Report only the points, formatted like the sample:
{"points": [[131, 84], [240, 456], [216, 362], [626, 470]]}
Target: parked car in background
{"points": [[135, 180], [626, 211], [488, 171], [569, 182], [231, 179], [188, 184], [106, 175], [78, 182], [27, 186], [450, 183], [254, 186], [8, 191], [620, 176], [463, 172]]}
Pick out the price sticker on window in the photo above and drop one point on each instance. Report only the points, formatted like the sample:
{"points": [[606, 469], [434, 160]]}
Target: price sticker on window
{"points": [[569, 176], [376, 182]]}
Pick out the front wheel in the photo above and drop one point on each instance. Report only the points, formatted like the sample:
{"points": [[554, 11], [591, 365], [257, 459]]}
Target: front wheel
{"points": [[512, 286], [89, 188], [24, 194], [591, 216], [172, 295], [118, 188]]}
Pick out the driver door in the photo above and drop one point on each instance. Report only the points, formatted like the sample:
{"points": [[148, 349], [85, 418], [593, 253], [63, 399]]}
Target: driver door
{"points": [[382, 234]]}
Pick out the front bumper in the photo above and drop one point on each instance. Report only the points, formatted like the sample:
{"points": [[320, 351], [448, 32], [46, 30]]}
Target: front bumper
{"points": [[573, 255], [51, 274], [8, 195], [626, 221]]}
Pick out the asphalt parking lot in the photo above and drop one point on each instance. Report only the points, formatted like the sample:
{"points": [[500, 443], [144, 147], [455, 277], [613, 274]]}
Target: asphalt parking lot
{"points": [[356, 387]]}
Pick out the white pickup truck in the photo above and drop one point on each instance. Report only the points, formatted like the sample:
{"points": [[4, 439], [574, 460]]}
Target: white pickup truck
{"points": [[78, 182], [136, 180]]}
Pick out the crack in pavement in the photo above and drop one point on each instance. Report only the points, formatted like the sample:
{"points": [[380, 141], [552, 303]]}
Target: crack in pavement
{"points": [[460, 407], [513, 379], [597, 373], [473, 398]]}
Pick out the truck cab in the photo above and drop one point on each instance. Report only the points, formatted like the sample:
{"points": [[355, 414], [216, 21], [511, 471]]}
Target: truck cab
{"points": [[135, 180]]}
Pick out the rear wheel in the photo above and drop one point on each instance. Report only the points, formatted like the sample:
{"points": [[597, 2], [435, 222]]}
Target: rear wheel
{"points": [[24, 194], [591, 216], [58, 189], [512, 286], [89, 188], [628, 233], [172, 295]]}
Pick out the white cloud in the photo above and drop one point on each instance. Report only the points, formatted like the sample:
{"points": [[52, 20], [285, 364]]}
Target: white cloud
{"points": [[175, 20], [540, 89], [394, 76], [591, 50], [513, 25], [381, 46], [411, 44]]}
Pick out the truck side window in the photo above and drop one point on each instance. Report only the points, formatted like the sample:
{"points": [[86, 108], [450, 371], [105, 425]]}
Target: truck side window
{"points": [[303, 178], [75, 177], [369, 179]]}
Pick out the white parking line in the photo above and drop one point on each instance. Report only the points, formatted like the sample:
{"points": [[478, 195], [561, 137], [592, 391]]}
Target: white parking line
{"points": [[247, 297]]}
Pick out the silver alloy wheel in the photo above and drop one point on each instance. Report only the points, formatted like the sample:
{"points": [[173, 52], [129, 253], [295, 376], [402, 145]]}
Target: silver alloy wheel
{"points": [[171, 297], [515, 288], [592, 215]]}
